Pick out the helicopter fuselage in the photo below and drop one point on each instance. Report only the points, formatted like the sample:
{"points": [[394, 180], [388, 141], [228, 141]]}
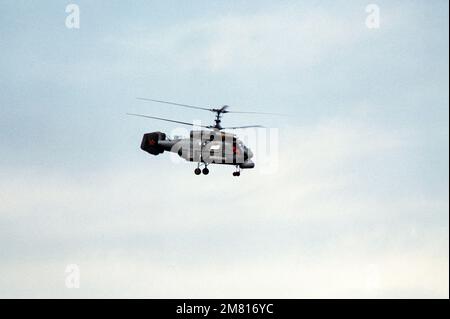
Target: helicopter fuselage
{"points": [[202, 146], [210, 146]]}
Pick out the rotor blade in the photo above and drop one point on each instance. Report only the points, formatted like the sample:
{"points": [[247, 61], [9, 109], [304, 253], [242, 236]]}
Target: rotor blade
{"points": [[223, 109], [238, 127], [244, 112], [177, 104], [163, 119]]}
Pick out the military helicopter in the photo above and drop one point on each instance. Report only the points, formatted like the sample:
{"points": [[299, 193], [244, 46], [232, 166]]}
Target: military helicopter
{"points": [[210, 145]]}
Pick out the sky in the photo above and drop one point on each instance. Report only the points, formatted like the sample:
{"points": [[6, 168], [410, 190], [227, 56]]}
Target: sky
{"points": [[352, 202]]}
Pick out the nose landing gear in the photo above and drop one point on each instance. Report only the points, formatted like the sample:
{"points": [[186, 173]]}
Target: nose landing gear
{"points": [[205, 170]]}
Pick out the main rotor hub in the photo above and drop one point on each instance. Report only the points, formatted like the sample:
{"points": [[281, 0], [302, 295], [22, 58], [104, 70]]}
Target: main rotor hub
{"points": [[219, 113]]}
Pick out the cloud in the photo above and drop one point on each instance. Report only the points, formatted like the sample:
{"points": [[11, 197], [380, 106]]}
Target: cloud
{"points": [[286, 38], [356, 207], [153, 229]]}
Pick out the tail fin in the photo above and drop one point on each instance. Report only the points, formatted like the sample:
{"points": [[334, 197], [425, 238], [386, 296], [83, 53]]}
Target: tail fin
{"points": [[150, 143]]}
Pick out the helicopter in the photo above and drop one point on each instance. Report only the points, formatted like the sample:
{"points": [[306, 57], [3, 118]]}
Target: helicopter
{"points": [[209, 145]]}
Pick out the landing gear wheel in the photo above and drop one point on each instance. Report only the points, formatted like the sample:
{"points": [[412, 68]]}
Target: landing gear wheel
{"points": [[205, 171], [197, 171], [236, 173]]}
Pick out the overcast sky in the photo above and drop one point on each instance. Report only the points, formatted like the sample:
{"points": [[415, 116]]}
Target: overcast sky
{"points": [[356, 204]]}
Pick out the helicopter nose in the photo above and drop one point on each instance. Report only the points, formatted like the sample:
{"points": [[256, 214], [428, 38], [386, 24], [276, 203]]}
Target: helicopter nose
{"points": [[248, 153]]}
